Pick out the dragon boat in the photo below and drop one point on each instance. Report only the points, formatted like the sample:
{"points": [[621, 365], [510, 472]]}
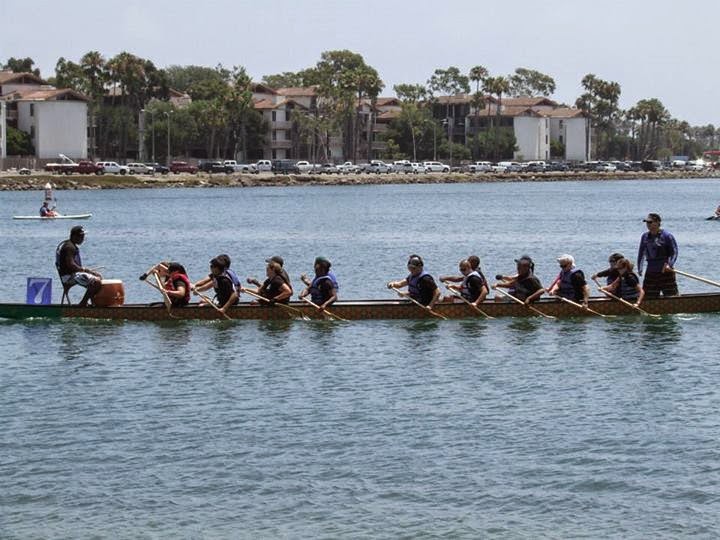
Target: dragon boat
{"points": [[365, 310]]}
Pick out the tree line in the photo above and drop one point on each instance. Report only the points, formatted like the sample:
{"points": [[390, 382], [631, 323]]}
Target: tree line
{"points": [[221, 120]]}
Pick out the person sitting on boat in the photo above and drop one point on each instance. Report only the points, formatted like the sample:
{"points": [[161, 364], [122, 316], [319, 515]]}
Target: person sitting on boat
{"points": [[474, 261], [627, 284], [421, 285], [69, 266], [177, 283], [611, 273], [717, 212], [570, 282], [46, 211], [660, 249], [223, 280], [524, 285], [323, 289], [275, 288], [473, 286], [279, 260]]}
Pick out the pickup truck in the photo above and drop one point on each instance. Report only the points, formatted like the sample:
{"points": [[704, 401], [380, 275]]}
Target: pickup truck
{"points": [[140, 168], [241, 167], [263, 165], [177, 167], [213, 166], [378, 166], [70, 167], [348, 167], [480, 166], [304, 166]]}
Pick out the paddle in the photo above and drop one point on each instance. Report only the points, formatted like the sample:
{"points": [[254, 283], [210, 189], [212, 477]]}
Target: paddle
{"points": [[699, 278], [623, 301], [425, 308], [518, 301], [325, 311], [284, 306], [211, 303], [580, 306], [166, 298], [456, 294]]}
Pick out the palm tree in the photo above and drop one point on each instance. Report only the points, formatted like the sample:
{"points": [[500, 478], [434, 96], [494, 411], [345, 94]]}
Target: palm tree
{"points": [[497, 86]]}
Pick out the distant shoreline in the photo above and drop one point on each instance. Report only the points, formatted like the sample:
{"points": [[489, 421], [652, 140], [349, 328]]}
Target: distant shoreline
{"points": [[15, 182]]}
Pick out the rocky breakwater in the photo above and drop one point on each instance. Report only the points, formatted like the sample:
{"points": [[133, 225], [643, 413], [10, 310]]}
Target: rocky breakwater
{"points": [[14, 182]]}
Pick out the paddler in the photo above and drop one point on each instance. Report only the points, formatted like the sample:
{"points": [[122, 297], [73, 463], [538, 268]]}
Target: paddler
{"points": [[473, 285], [570, 282], [610, 273], [323, 289], [421, 285], [69, 266], [280, 261], [660, 249], [627, 284], [224, 282], [524, 285], [46, 211], [175, 281], [275, 288]]}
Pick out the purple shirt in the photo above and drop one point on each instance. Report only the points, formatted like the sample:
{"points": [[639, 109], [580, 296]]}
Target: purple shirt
{"points": [[657, 249]]}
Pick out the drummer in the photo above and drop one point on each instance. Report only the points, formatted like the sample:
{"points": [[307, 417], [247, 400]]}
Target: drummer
{"points": [[69, 266]]}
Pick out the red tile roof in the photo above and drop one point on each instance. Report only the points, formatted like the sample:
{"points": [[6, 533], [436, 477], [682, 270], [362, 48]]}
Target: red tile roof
{"points": [[297, 91], [9, 76], [50, 94]]}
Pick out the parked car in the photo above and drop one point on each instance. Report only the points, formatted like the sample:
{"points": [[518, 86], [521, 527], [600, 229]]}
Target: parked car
{"points": [[68, 166], [557, 166], [285, 166], [304, 166], [140, 168], [240, 167], [328, 168], [698, 165], [605, 166], [510, 166], [651, 165], [159, 169], [435, 166], [479, 166], [177, 167], [348, 167], [214, 166], [24, 171], [112, 167], [263, 165], [378, 167], [535, 166]]}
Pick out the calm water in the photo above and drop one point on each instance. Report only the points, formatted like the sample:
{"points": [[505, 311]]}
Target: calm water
{"points": [[416, 429]]}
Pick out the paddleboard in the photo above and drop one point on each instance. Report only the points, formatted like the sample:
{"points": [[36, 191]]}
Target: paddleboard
{"points": [[713, 218], [52, 218]]}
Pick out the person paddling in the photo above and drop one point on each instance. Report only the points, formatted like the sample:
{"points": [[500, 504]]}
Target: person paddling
{"points": [[524, 285], [473, 287], [421, 285], [275, 288], [223, 281], [660, 249], [570, 282], [627, 284], [610, 273], [46, 211], [323, 289], [70, 269]]}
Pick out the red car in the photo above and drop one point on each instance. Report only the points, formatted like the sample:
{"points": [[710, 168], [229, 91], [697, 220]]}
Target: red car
{"points": [[177, 167]]}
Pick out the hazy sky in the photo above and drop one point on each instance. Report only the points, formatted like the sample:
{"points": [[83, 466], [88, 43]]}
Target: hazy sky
{"points": [[653, 48]]}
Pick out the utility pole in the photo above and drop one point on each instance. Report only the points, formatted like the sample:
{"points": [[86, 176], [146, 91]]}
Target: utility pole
{"points": [[141, 136], [167, 115]]}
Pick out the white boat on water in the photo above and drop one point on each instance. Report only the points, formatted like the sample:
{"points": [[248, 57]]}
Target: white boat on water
{"points": [[53, 218]]}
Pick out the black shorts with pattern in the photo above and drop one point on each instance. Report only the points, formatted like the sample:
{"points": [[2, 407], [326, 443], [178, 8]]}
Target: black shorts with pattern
{"points": [[660, 282]]}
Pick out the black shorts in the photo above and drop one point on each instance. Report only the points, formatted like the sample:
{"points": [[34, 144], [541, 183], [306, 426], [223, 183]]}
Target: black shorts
{"points": [[660, 282]]}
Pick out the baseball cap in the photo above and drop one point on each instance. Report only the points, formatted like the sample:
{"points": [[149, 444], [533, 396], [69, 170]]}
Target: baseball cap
{"points": [[323, 260], [77, 229], [277, 259], [524, 259]]}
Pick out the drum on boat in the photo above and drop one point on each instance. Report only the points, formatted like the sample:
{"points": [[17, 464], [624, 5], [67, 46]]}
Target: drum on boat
{"points": [[112, 293]]}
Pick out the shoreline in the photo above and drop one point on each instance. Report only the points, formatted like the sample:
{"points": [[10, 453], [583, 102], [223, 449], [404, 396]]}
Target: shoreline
{"points": [[15, 182]]}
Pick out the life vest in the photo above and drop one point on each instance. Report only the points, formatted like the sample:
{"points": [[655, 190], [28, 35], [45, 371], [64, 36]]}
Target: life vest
{"points": [[414, 285], [465, 290], [627, 291], [315, 294], [235, 280], [170, 286], [231, 277], [566, 288], [58, 261]]}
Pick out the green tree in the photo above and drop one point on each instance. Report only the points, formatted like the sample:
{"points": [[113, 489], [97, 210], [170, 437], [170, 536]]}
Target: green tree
{"points": [[21, 65], [528, 82], [286, 79], [414, 116], [497, 86], [19, 143], [450, 82]]}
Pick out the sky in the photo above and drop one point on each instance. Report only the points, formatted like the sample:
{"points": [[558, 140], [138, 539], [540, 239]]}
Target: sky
{"points": [[654, 48]]}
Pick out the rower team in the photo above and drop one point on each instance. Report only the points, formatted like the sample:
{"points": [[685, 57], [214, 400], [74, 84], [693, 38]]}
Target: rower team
{"points": [[657, 247]]}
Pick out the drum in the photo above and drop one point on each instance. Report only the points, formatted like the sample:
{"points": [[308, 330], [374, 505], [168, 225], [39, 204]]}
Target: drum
{"points": [[112, 293]]}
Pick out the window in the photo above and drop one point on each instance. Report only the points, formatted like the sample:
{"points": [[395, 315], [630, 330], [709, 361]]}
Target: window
{"points": [[274, 116], [32, 132], [32, 109], [546, 138], [274, 154], [561, 139], [274, 135], [287, 115]]}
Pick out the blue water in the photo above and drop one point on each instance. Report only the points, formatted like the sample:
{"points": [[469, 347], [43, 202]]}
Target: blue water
{"points": [[418, 429]]}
